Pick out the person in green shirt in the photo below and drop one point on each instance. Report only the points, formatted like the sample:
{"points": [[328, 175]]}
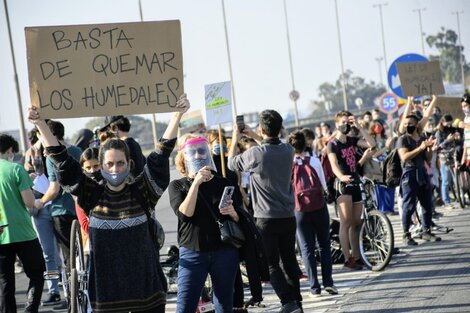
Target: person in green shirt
{"points": [[17, 235]]}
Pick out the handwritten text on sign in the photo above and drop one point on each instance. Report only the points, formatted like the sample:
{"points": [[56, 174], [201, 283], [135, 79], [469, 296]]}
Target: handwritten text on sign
{"points": [[420, 78], [105, 69], [218, 103]]}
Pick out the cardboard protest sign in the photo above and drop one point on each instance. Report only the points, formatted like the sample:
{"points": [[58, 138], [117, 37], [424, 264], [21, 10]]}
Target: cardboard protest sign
{"points": [[105, 69], [420, 78], [218, 103], [451, 105], [192, 122]]}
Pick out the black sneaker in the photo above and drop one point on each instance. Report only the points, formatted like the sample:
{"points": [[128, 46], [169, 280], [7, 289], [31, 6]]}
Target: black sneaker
{"points": [[52, 299], [428, 236], [332, 290], [290, 307], [408, 240]]}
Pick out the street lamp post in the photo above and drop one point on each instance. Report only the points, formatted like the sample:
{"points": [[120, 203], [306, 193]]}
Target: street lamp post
{"points": [[421, 28], [17, 83], [380, 5], [460, 44], [379, 61], [343, 78], [294, 95], [234, 104], [154, 118]]}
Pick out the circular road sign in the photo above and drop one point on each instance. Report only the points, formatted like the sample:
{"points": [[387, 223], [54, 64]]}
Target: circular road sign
{"points": [[294, 95], [392, 76], [388, 103]]}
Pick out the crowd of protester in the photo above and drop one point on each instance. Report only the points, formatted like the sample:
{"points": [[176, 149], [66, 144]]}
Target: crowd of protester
{"points": [[282, 185]]}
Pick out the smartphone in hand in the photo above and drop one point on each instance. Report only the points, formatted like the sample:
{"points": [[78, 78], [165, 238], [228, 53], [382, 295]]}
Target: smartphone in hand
{"points": [[226, 196], [240, 123]]}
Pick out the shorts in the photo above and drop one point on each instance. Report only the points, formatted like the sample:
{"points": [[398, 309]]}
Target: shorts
{"points": [[354, 190]]}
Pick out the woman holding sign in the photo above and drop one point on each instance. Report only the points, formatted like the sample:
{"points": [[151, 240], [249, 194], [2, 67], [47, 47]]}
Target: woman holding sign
{"points": [[125, 275]]}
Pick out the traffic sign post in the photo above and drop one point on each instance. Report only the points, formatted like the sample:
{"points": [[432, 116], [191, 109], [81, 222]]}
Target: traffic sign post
{"points": [[393, 78]]}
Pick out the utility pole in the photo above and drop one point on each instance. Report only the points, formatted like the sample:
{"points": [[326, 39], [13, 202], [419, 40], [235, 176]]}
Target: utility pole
{"points": [[343, 78], [291, 66], [17, 83], [154, 119], [421, 33], [232, 83], [460, 46], [380, 5], [379, 62]]}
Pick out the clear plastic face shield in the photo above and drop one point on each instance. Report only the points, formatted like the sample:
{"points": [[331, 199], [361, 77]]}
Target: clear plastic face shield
{"points": [[197, 154]]}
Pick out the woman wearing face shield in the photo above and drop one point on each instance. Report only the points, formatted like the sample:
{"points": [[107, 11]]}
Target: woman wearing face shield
{"points": [[202, 252], [125, 275]]}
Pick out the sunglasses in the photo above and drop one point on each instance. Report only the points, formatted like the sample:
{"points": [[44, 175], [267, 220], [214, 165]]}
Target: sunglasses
{"points": [[192, 152]]}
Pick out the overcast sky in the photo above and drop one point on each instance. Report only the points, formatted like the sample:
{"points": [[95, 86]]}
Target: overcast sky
{"points": [[258, 43]]}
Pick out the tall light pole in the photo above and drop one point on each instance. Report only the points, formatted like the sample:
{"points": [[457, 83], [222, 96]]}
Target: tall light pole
{"points": [[460, 44], [380, 5], [294, 94], [17, 83], [343, 78], [234, 104], [421, 33], [154, 119], [379, 61]]}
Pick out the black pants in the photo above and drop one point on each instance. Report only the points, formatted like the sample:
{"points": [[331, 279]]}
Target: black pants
{"points": [[30, 254], [278, 236], [62, 228]]}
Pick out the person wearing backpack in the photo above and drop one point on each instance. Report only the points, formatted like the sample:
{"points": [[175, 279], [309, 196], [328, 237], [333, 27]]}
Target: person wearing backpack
{"points": [[311, 213], [342, 157], [414, 150]]}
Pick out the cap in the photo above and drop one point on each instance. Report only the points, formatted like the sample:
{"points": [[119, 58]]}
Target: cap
{"points": [[108, 120]]}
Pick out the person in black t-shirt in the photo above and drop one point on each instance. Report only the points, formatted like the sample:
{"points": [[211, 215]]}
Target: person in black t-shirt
{"points": [[202, 252], [342, 157], [415, 150]]}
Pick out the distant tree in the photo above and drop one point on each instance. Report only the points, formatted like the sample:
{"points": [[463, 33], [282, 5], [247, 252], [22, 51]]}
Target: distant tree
{"points": [[356, 87], [446, 43]]}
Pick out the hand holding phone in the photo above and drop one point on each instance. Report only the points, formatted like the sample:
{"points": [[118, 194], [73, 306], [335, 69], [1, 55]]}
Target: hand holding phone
{"points": [[226, 196], [240, 123]]}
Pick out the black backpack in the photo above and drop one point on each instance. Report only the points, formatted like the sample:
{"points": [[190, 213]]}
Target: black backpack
{"points": [[391, 166], [391, 169]]}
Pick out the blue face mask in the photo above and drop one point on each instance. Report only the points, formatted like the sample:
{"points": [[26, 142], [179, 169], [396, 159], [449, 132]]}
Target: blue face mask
{"points": [[217, 149], [115, 179]]}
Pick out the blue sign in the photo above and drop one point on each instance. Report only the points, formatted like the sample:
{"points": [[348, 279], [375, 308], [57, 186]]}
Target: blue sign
{"points": [[394, 79], [388, 103]]}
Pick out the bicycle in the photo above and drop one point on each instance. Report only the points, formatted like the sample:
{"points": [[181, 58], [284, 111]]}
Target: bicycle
{"points": [[376, 238]]}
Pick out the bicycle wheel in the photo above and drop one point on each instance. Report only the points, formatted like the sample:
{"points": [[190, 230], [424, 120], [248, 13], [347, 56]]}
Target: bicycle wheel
{"points": [[74, 305], [77, 258], [458, 186], [376, 241]]}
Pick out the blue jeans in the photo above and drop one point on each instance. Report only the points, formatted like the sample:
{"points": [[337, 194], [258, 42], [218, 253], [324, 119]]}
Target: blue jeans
{"points": [[193, 268], [313, 226], [45, 228], [446, 177], [411, 191]]}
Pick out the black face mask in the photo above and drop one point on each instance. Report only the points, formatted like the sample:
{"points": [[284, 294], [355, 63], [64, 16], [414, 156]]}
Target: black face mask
{"points": [[410, 129], [96, 176], [344, 129]]}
